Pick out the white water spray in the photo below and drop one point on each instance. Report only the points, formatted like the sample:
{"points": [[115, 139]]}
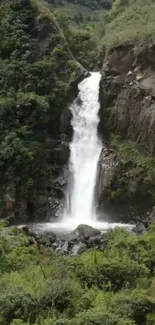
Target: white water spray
{"points": [[85, 149]]}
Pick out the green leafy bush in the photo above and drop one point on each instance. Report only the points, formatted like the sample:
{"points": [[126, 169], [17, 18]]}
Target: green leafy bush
{"points": [[99, 317], [113, 268], [114, 287]]}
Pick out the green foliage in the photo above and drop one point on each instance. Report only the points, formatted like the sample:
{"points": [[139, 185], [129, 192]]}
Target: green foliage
{"points": [[98, 270], [80, 38], [117, 7], [135, 305], [151, 319], [114, 287], [130, 21], [34, 83], [136, 173], [16, 303], [98, 318], [83, 23], [18, 322], [80, 43], [92, 4]]}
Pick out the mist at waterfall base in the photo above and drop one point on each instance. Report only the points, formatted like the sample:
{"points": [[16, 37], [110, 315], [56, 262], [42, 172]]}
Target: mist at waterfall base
{"points": [[85, 149]]}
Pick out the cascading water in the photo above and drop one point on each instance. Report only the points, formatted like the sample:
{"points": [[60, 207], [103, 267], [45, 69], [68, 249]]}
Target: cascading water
{"points": [[85, 149]]}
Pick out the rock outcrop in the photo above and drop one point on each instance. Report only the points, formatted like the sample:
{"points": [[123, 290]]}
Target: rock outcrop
{"points": [[127, 94], [81, 239]]}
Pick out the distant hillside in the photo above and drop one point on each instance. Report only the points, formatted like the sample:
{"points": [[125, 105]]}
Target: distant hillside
{"points": [[83, 23], [130, 20]]}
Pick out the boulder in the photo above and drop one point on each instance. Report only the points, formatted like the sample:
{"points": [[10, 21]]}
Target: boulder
{"points": [[96, 240], [59, 250], [55, 245], [72, 238], [130, 77], [78, 249], [65, 247], [45, 239], [86, 231], [42, 240], [51, 236], [24, 229], [151, 216], [139, 229]]}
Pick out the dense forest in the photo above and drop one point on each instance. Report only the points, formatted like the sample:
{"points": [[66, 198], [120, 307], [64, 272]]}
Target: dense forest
{"points": [[40, 43], [37, 71]]}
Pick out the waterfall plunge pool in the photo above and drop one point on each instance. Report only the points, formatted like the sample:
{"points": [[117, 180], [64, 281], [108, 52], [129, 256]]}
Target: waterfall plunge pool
{"points": [[65, 228]]}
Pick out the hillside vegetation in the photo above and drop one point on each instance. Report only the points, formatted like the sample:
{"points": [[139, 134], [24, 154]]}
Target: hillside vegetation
{"points": [[130, 20], [37, 71], [115, 286], [92, 4], [127, 102], [83, 24]]}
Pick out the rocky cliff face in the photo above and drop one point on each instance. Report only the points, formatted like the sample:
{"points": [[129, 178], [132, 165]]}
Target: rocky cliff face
{"points": [[38, 74], [127, 95]]}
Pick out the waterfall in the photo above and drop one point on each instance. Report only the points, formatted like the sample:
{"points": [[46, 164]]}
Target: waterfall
{"points": [[85, 149]]}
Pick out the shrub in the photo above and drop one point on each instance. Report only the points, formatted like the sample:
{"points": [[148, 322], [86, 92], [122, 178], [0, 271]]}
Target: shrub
{"points": [[98, 317], [96, 269], [16, 302], [136, 305], [18, 322]]}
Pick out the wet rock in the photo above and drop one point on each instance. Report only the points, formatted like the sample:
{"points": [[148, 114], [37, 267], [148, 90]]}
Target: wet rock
{"points": [[45, 239], [78, 249], [10, 220], [60, 154], [59, 250], [102, 247], [55, 245], [79, 101], [139, 77], [86, 231], [9, 205], [139, 229], [151, 216], [32, 241], [119, 80], [24, 229], [95, 240], [130, 77], [65, 247], [51, 236], [42, 240], [72, 238]]}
